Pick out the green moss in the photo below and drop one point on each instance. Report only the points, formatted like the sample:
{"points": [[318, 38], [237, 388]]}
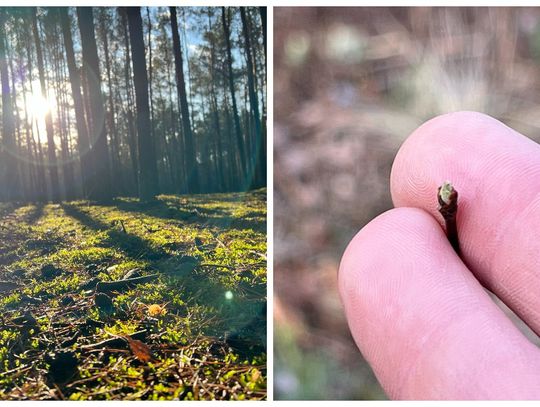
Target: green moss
{"points": [[84, 256], [120, 328], [10, 301]]}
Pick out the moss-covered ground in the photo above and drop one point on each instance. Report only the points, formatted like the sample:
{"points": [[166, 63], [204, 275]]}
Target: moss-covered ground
{"points": [[200, 318]]}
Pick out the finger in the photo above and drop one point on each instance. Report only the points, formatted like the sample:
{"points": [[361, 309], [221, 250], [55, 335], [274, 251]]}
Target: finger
{"points": [[496, 172], [423, 322]]}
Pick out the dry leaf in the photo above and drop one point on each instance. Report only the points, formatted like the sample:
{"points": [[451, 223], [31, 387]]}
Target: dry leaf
{"points": [[255, 374], [140, 350], [156, 309]]}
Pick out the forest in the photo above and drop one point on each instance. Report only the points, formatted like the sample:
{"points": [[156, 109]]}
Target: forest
{"points": [[107, 102], [133, 203]]}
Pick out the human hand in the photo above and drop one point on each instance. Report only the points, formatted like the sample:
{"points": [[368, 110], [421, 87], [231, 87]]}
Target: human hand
{"points": [[416, 310]]}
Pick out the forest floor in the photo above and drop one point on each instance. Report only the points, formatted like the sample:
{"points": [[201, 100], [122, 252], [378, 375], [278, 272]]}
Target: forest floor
{"points": [[132, 301]]}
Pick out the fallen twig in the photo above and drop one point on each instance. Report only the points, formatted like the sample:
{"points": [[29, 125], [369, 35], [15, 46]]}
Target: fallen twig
{"points": [[118, 285], [117, 341], [17, 370]]}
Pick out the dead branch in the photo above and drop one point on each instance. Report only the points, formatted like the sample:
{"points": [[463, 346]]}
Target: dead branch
{"points": [[119, 285]]}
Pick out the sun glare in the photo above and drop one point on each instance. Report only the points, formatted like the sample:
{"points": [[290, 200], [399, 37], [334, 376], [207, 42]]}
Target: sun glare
{"points": [[37, 106]]}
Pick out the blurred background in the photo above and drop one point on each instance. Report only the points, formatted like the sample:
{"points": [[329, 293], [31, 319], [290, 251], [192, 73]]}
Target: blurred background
{"points": [[350, 84]]}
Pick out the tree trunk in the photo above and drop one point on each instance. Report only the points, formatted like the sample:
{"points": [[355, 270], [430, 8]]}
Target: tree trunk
{"points": [[253, 101], [150, 72], [59, 79], [8, 126], [190, 154], [75, 82], [116, 179], [132, 142], [33, 185], [23, 190], [237, 128], [217, 137], [100, 179], [41, 190], [51, 150], [262, 12], [148, 181], [177, 172], [234, 166]]}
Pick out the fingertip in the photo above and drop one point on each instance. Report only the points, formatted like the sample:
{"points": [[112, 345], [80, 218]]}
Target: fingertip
{"points": [[387, 233], [422, 321], [426, 150], [495, 171], [377, 272]]}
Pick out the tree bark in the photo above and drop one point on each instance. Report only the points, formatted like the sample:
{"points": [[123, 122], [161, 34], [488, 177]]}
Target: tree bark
{"points": [[237, 128], [56, 57], [33, 184], [150, 72], [115, 160], [262, 12], [132, 142], [219, 168], [100, 179], [148, 181], [75, 83], [189, 153], [22, 190], [8, 126], [253, 101]]}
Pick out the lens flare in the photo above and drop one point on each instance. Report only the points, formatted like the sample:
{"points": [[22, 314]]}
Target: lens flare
{"points": [[38, 106]]}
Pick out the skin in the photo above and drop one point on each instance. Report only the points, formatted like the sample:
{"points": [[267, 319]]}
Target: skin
{"points": [[417, 311]]}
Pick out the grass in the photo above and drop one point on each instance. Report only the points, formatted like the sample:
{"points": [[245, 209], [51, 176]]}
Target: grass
{"points": [[203, 318]]}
